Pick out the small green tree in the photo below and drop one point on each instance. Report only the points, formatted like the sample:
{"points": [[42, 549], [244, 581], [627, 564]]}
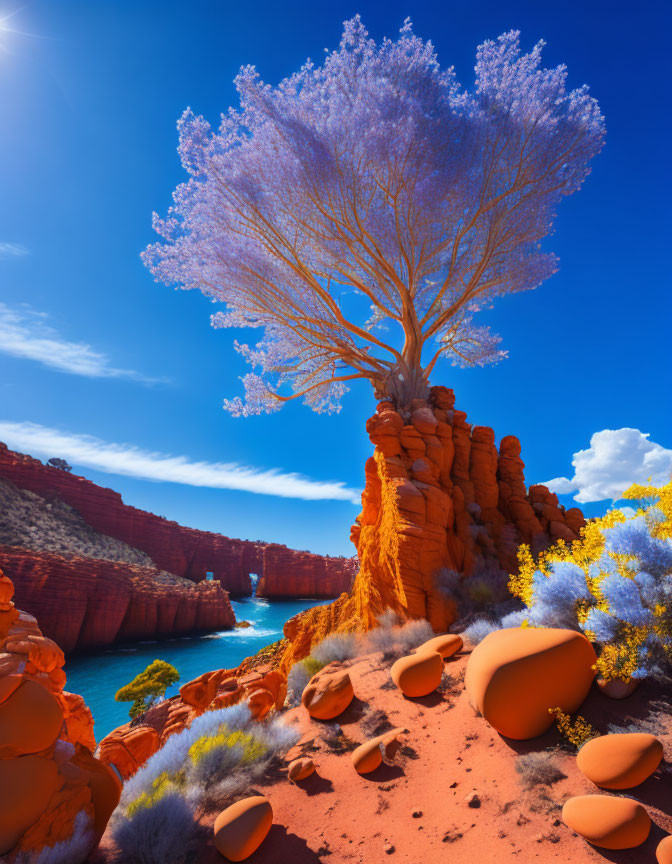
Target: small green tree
{"points": [[145, 688]]}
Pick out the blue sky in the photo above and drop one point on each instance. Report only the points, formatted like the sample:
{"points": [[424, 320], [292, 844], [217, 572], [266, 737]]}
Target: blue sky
{"points": [[91, 346]]}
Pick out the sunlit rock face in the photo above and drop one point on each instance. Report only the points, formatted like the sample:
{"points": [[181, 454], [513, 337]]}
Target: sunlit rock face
{"points": [[439, 497], [52, 789]]}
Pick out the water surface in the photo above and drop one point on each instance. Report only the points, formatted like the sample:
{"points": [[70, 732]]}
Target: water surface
{"points": [[97, 677]]}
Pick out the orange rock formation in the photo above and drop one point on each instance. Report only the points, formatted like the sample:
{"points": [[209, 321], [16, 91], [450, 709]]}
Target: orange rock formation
{"points": [[130, 746], [49, 779], [438, 496]]}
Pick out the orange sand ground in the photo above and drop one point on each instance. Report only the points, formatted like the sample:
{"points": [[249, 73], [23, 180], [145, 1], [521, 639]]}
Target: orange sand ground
{"points": [[338, 816]]}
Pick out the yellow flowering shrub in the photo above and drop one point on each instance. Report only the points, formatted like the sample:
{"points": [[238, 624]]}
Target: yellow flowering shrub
{"points": [[161, 786], [251, 746], [613, 583], [576, 731]]}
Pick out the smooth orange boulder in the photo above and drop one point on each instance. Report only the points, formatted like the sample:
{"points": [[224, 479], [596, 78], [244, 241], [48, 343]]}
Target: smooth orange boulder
{"points": [[514, 676], [369, 755], [299, 769], [260, 702], [446, 645], [617, 688], [620, 761], [30, 720], [327, 695], [607, 821], [664, 850], [26, 785], [104, 783], [127, 748], [242, 827], [418, 674]]}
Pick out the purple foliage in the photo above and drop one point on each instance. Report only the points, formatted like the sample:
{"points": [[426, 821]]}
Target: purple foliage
{"points": [[555, 596], [634, 538], [376, 174]]}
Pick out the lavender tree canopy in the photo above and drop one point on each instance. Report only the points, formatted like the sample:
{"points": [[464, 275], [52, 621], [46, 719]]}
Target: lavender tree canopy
{"points": [[362, 212]]}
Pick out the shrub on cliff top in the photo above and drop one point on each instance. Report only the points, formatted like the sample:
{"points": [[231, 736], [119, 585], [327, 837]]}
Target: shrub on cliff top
{"points": [[538, 769], [164, 833], [147, 687], [397, 640], [337, 647], [225, 745], [614, 584]]}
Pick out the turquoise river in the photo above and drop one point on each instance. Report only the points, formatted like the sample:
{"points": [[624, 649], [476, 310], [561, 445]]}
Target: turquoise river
{"points": [[97, 677]]}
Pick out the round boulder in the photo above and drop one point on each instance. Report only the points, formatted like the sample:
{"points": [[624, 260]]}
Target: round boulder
{"points": [[104, 783], [664, 850], [446, 645], [299, 769], [515, 675], [369, 755], [418, 674], [242, 828], [327, 695], [620, 761], [30, 720], [607, 821], [26, 786], [616, 688], [260, 702]]}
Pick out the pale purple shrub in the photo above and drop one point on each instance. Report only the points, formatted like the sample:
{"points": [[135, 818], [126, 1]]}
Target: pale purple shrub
{"points": [[74, 850], [337, 647], [476, 632], [165, 833]]}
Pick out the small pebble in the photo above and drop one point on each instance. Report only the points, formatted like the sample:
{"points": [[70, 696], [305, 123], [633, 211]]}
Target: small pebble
{"points": [[472, 800], [417, 814], [389, 849]]}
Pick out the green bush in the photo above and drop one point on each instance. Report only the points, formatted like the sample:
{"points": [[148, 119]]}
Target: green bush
{"points": [[147, 687]]}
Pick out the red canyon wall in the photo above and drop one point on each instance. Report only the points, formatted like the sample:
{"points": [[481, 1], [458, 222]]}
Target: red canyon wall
{"points": [[89, 603], [184, 551], [287, 573]]}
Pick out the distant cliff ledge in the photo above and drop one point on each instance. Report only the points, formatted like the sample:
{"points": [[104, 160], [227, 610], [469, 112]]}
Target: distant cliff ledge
{"points": [[141, 601]]}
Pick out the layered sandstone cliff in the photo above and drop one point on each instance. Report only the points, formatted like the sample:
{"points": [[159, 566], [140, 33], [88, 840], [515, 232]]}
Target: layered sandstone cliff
{"points": [[186, 552], [287, 573], [88, 603], [439, 499]]}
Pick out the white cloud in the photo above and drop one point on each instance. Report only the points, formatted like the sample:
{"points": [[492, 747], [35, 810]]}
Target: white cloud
{"points": [[24, 333], [12, 250], [561, 485], [616, 459], [132, 461]]}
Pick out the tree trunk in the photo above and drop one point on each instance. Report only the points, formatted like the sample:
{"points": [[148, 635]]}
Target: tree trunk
{"points": [[404, 385]]}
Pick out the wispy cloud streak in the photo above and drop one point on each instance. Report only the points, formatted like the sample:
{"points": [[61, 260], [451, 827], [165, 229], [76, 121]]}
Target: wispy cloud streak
{"points": [[25, 333], [132, 461], [12, 250]]}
